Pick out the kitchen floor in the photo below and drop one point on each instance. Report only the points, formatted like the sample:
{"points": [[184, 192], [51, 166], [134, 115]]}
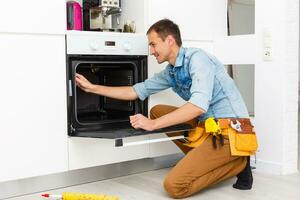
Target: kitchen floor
{"points": [[148, 186]]}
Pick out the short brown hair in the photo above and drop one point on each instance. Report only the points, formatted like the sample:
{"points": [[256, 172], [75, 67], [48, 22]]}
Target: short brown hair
{"points": [[166, 27]]}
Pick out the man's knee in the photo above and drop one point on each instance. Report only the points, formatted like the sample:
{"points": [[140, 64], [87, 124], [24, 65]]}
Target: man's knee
{"points": [[155, 110], [174, 189]]}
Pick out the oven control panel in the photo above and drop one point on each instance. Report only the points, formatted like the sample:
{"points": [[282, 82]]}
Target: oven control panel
{"points": [[106, 43]]}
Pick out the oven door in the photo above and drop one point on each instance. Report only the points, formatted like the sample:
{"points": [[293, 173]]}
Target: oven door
{"points": [[96, 116]]}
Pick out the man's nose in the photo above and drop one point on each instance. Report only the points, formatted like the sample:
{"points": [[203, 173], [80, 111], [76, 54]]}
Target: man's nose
{"points": [[152, 51]]}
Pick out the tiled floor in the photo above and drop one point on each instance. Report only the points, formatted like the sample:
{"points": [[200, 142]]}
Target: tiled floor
{"points": [[148, 186]]}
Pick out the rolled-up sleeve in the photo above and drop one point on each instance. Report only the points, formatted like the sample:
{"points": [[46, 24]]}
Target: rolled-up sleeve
{"points": [[152, 85], [202, 75]]}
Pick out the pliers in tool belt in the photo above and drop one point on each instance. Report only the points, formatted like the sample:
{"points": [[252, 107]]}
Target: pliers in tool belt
{"points": [[212, 126]]}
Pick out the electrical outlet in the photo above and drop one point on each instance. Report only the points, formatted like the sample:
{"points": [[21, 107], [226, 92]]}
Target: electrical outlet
{"points": [[267, 46], [267, 54]]}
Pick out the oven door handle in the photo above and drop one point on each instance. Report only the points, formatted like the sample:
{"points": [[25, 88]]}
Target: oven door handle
{"points": [[120, 143], [70, 88]]}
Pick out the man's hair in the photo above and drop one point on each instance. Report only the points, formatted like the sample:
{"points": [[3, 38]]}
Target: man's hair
{"points": [[166, 27]]}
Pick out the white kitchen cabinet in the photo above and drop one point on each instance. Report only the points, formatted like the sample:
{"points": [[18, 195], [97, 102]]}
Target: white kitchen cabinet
{"points": [[197, 19], [90, 152], [33, 105], [162, 148], [33, 16]]}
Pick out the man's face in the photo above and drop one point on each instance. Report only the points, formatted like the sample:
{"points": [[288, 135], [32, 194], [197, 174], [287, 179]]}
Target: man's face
{"points": [[158, 48]]}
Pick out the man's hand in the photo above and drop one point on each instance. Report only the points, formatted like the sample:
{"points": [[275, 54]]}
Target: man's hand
{"points": [[83, 83], [140, 121]]}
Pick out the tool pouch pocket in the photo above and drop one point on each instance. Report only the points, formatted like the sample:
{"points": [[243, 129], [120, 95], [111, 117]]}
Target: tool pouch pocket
{"points": [[246, 141], [243, 142]]}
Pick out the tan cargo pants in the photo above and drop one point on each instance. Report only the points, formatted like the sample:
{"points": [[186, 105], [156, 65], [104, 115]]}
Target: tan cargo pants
{"points": [[202, 166]]}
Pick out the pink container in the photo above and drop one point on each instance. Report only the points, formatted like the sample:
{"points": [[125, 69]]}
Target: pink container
{"points": [[74, 16]]}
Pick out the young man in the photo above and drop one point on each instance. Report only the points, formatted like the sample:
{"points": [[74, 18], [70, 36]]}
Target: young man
{"points": [[201, 80]]}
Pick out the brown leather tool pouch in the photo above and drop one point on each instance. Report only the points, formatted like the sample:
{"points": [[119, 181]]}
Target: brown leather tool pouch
{"points": [[244, 141]]}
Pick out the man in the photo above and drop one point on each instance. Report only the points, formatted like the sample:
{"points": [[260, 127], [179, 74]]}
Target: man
{"points": [[202, 81]]}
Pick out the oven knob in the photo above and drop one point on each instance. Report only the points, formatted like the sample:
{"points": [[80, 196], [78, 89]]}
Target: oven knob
{"points": [[127, 46], [94, 46]]}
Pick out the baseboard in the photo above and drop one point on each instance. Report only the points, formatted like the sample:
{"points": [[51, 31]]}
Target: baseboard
{"points": [[75, 177], [273, 167]]}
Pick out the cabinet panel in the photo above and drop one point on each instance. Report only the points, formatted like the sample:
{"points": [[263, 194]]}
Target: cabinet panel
{"points": [[231, 49], [197, 19], [90, 152], [33, 16], [33, 106], [162, 148]]}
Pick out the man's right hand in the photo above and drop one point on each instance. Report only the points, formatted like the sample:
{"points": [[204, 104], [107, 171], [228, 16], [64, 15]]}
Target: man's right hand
{"points": [[83, 83]]}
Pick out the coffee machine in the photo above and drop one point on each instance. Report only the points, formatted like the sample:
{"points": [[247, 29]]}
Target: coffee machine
{"points": [[97, 14]]}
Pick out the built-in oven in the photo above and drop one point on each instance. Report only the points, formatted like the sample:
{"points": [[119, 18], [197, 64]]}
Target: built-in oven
{"points": [[110, 59]]}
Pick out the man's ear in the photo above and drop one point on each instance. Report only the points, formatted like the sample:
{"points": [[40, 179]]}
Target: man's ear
{"points": [[170, 39]]}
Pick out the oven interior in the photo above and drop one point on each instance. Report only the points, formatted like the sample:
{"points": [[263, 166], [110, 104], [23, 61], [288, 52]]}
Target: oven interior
{"points": [[91, 108]]}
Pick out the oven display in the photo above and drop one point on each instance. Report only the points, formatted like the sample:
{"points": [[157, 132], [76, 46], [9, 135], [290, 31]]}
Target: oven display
{"points": [[110, 43]]}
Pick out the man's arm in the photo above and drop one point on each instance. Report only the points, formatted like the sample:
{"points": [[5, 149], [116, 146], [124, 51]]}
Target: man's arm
{"points": [[122, 92], [183, 114]]}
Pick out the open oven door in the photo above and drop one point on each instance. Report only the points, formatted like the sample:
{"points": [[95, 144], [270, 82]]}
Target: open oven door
{"points": [[96, 116], [124, 129]]}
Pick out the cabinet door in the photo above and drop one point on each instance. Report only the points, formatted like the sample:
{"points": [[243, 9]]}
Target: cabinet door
{"points": [[33, 16], [33, 106], [197, 19]]}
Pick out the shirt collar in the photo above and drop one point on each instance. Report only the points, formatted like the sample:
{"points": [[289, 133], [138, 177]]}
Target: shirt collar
{"points": [[180, 57]]}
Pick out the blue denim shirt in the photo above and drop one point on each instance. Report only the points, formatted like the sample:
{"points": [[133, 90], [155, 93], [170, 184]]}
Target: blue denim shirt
{"points": [[200, 79]]}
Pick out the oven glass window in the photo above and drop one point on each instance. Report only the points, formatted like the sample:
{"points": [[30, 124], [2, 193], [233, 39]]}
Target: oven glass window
{"points": [[91, 108]]}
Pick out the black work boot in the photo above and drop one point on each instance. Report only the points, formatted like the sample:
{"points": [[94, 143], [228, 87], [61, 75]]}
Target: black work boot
{"points": [[245, 178]]}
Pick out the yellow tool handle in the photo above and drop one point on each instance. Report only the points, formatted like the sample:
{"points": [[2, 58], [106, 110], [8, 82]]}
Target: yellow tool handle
{"points": [[80, 196], [211, 126]]}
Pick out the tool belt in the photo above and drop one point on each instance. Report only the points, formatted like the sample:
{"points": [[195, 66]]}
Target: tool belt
{"points": [[239, 131]]}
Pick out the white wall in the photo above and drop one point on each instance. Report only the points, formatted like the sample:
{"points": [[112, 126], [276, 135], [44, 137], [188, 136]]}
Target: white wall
{"points": [[298, 91], [276, 94], [276, 81]]}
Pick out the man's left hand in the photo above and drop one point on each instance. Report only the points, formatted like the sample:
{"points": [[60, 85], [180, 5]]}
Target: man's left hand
{"points": [[140, 121]]}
